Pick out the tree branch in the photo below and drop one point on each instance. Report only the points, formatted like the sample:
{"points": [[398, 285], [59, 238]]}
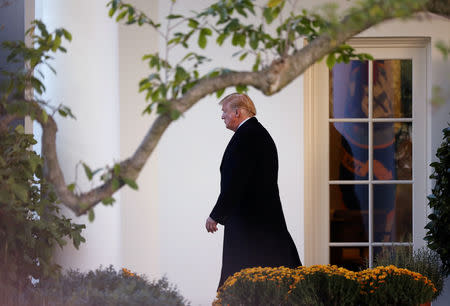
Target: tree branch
{"points": [[6, 120], [270, 80]]}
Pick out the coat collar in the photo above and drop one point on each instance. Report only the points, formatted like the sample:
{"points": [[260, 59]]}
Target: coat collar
{"points": [[248, 120]]}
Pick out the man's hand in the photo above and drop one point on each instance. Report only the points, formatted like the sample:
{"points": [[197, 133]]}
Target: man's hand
{"points": [[211, 225]]}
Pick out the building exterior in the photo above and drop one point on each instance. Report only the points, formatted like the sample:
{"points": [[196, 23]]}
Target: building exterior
{"points": [[353, 145]]}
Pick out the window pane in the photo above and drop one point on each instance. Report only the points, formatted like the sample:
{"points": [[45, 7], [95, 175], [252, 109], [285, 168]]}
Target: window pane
{"points": [[348, 151], [352, 258], [349, 90], [392, 154], [349, 208], [392, 89], [392, 213]]}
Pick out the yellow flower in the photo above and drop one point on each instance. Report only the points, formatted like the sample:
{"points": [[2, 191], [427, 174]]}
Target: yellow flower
{"points": [[128, 273]]}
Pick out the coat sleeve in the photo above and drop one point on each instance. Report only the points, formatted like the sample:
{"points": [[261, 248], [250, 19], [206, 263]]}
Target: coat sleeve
{"points": [[235, 174]]}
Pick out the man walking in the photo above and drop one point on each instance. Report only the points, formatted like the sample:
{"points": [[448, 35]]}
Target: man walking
{"points": [[249, 204]]}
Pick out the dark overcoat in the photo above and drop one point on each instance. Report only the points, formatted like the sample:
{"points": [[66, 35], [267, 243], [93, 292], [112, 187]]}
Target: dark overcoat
{"points": [[249, 204]]}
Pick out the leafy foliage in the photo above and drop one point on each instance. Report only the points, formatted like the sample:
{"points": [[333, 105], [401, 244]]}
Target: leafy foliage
{"points": [[30, 226], [325, 285], [394, 286], [270, 34], [30, 77], [104, 287], [224, 20], [257, 286], [438, 231], [423, 261]]}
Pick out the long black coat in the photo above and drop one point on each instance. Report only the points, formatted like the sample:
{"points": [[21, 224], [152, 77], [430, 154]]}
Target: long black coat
{"points": [[249, 204]]}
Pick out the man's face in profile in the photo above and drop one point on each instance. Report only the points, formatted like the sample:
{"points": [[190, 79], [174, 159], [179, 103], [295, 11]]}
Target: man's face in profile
{"points": [[229, 116]]}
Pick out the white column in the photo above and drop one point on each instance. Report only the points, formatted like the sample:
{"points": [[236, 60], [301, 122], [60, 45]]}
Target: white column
{"points": [[139, 209], [87, 82]]}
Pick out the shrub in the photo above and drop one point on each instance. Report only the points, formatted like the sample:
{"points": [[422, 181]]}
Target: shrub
{"points": [[257, 286], [324, 285], [105, 287], [30, 226], [438, 234], [394, 286], [423, 261]]}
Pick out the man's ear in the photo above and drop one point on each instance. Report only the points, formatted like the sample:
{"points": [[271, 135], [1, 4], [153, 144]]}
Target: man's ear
{"points": [[236, 112]]}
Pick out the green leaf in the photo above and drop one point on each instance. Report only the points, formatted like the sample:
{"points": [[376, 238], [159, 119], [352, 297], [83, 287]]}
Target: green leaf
{"points": [[111, 12], [67, 35], [44, 116], [243, 56], [220, 39], [207, 31], [202, 40], [241, 88], [273, 3], [257, 62], [91, 215], [20, 129], [174, 114], [71, 187], [254, 40], [77, 238], [88, 171], [115, 184], [130, 183], [267, 13], [174, 16], [202, 37], [220, 92], [56, 43], [62, 112], [116, 169], [241, 40], [20, 191], [67, 111], [331, 60], [35, 161], [96, 171], [121, 15], [108, 201], [180, 74], [192, 23]]}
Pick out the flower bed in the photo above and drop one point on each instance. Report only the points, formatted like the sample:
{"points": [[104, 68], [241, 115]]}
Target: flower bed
{"points": [[325, 285]]}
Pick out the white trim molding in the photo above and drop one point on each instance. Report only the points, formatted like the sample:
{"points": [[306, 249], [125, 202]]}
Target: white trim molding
{"points": [[316, 135]]}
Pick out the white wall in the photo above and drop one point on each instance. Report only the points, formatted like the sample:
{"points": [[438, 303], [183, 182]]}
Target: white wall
{"points": [[140, 239], [87, 82]]}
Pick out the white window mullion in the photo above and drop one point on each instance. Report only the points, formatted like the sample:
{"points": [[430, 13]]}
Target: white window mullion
{"points": [[396, 182], [366, 244], [370, 135]]}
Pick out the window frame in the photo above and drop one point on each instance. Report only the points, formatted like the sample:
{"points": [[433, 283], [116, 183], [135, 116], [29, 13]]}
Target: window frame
{"points": [[316, 135]]}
